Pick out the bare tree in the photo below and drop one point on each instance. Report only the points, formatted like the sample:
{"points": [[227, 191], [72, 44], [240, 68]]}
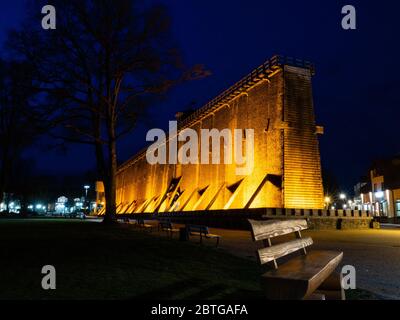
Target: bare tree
{"points": [[17, 131], [106, 62]]}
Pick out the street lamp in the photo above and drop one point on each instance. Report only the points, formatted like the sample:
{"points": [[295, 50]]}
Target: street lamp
{"points": [[342, 197], [379, 194], [86, 187], [327, 201]]}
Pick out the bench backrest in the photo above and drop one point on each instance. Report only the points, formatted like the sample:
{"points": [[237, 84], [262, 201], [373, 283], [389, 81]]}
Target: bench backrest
{"points": [[197, 228], [265, 230]]}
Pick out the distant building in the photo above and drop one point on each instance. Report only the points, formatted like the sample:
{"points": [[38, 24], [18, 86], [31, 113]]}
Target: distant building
{"points": [[61, 204], [381, 194]]}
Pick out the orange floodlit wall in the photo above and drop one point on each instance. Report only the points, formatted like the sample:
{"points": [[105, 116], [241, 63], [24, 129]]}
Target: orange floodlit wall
{"points": [[276, 101]]}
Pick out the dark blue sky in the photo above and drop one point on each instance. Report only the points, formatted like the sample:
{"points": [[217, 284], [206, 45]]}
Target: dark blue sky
{"points": [[355, 87]]}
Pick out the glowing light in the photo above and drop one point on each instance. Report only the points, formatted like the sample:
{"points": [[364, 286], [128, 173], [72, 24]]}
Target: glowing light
{"points": [[327, 199], [39, 206], [379, 194], [342, 196]]}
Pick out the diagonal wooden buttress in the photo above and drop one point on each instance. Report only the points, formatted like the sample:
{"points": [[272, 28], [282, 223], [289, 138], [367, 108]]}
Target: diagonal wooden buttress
{"points": [[268, 177], [174, 184], [188, 199], [234, 195], [215, 196]]}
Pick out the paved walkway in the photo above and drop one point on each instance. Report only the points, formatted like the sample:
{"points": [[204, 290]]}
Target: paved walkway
{"points": [[374, 253]]}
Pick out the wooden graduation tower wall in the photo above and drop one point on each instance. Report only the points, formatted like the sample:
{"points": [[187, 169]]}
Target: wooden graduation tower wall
{"points": [[276, 101]]}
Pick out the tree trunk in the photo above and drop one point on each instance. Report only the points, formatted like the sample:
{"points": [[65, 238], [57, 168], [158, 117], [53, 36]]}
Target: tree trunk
{"points": [[4, 174], [110, 187]]}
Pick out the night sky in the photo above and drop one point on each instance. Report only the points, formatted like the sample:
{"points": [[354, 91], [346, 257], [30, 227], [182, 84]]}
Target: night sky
{"points": [[355, 86]]}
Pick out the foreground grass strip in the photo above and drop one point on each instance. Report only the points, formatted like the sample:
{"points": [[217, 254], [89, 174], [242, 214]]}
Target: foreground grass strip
{"points": [[101, 262]]}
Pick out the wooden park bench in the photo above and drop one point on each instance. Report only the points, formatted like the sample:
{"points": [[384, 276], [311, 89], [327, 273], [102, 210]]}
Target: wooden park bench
{"points": [[125, 220], [308, 276], [201, 231], [141, 224], [166, 225]]}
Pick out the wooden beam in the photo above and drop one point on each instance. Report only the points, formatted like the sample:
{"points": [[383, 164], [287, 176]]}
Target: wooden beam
{"points": [[200, 199], [215, 196], [280, 250], [265, 229], [188, 199], [254, 195], [129, 206], [234, 195], [146, 204], [174, 193], [172, 207]]}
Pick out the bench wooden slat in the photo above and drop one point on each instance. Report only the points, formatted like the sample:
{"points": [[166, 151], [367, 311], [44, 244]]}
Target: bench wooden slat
{"points": [[207, 235], [316, 296], [201, 231], [266, 229], [301, 276], [280, 250], [197, 229]]}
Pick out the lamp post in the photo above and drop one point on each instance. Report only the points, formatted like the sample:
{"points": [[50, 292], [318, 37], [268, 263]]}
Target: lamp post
{"points": [[327, 201], [342, 197], [350, 202], [86, 187]]}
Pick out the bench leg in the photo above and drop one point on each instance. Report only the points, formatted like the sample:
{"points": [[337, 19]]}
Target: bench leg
{"points": [[332, 287], [316, 296]]}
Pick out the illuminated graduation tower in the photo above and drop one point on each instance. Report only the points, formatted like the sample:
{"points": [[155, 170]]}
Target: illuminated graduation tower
{"points": [[276, 101]]}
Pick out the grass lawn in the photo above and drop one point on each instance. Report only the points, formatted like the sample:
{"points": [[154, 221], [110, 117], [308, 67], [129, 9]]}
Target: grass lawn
{"points": [[97, 262]]}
